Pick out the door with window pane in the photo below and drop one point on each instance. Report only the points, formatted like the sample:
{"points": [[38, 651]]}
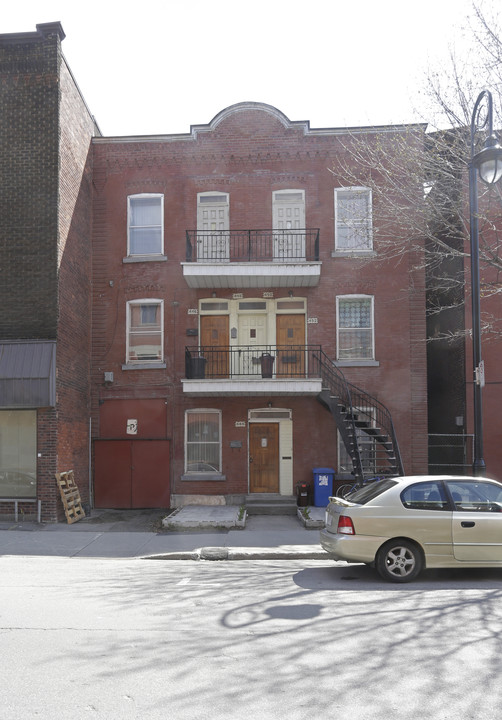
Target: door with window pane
{"points": [[214, 339], [252, 333], [264, 457], [290, 345], [288, 217], [213, 227]]}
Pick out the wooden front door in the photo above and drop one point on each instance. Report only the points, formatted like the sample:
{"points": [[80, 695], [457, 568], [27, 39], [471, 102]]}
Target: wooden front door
{"points": [[264, 457], [214, 334], [290, 346]]}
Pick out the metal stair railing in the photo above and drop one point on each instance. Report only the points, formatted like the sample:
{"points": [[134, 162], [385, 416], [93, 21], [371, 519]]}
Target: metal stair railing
{"points": [[357, 412]]}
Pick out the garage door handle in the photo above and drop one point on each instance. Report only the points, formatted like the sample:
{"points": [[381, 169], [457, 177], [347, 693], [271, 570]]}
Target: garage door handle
{"points": [[467, 524]]}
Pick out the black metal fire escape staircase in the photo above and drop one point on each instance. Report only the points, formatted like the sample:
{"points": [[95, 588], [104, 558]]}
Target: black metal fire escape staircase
{"points": [[365, 424]]}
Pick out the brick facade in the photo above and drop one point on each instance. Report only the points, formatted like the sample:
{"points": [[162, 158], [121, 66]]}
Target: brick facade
{"points": [[45, 210], [68, 278], [248, 152]]}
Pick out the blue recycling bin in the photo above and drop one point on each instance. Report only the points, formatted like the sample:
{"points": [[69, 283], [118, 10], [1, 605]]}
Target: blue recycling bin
{"points": [[323, 485]]}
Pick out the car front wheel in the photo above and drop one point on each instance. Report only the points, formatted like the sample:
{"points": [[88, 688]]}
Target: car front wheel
{"points": [[399, 561]]}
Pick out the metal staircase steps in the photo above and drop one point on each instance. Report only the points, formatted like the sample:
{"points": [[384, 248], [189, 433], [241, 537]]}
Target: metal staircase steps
{"points": [[364, 423]]}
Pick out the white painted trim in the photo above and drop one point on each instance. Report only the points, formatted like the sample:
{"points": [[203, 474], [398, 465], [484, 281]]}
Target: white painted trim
{"points": [[252, 387], [160, 254], [285, 447], [203, 475], [351, 251], [252, 275], [351, 361], [143, 364]]}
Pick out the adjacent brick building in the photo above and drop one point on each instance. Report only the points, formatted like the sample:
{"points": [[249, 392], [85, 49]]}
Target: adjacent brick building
{"points": [[45, 255]]}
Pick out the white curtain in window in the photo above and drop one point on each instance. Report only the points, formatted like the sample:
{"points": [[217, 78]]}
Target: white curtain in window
{"points": [[145, 225], [355, 331], [203, 442], [353, 219]]}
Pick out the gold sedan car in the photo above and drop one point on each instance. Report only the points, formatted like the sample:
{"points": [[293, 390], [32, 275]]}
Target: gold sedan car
{"points": [[406, 524]]}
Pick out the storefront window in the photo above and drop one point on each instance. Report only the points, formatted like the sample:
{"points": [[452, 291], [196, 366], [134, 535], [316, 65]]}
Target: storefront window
{"points": [[18, 453]]}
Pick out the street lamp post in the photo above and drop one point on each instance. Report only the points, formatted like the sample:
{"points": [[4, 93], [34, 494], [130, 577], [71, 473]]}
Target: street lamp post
{"points": [[488, 162]]}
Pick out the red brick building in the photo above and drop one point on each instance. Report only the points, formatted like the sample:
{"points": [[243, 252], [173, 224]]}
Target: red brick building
{"points": [[211, 313], [213, 249]]}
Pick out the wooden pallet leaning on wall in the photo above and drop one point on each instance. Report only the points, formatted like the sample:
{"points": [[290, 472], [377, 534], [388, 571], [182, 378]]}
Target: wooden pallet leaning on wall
{"points": [[70, 496]]}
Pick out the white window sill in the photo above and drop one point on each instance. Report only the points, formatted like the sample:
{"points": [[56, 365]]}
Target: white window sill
{"points": [[144, 366], [356, 363], [144, 258], [204, 476], [353, 253]]}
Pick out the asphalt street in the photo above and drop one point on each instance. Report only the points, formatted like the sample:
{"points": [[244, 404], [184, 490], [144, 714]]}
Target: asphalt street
{"points": [[130, 638]]}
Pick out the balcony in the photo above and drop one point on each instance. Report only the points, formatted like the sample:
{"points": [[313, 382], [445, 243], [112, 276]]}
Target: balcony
{"points": [[252, 258], [252, 370]]}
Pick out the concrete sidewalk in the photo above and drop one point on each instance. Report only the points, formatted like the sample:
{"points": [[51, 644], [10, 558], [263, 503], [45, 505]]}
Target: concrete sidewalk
{"points": [[196, 532]]}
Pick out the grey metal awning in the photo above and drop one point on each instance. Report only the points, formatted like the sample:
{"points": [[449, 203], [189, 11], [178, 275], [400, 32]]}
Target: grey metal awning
{"points": [[27, 374]]}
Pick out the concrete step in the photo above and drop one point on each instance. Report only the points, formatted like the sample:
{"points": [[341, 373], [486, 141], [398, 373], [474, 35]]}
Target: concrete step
{"points": [[271, 509], [270, 504]]}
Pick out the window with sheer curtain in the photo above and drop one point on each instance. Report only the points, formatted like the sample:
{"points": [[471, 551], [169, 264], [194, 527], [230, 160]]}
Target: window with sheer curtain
{"points": [[355, 336], [145, 224], [203, 441], [145, 331], [353, 221]]}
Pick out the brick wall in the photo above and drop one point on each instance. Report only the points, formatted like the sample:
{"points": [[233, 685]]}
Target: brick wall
{"points": [[249, 154], [74, 287], [45, 231], [29, 97]]}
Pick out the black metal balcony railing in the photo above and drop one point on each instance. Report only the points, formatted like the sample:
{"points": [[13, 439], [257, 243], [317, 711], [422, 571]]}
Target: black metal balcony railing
{"points": [[267, 361], [299, 245]]}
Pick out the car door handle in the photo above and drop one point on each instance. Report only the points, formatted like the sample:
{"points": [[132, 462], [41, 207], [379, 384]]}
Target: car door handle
{"points": [[467, 524]]}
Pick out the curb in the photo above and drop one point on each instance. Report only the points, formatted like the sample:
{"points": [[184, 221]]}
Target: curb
{"points": [[224, 553]]}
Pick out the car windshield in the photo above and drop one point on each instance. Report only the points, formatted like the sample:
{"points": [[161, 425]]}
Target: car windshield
{"points": [[370, 491]]}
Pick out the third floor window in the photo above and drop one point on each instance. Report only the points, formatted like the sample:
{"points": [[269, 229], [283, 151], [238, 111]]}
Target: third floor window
{"points": [[145, 224]]}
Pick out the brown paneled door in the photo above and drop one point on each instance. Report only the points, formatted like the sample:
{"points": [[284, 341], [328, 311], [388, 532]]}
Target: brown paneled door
{"points": [[264, 457], [290, 334], [214, 334]]}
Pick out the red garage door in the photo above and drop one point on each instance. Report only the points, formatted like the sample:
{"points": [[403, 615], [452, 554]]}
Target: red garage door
{"points": [[131, 474]]}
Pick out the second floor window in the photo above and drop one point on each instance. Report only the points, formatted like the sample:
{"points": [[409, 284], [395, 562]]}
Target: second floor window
{"points": [[353, 221], [355, 339], [145, 332], [145, 224]]}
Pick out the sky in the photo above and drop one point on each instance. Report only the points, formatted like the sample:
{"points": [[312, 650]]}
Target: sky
{"points": [[162, 66]]}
